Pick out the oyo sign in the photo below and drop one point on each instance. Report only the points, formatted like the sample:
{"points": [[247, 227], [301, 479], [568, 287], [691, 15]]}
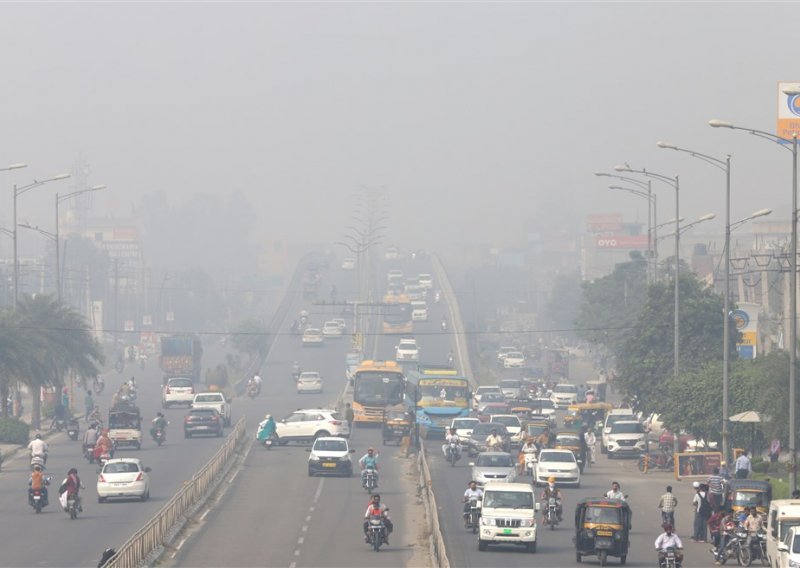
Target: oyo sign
{"points": [[621, 242]]}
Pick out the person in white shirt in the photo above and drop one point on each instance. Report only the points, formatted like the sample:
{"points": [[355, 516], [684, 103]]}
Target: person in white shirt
{"points": [[472, 492], [669, 539], [451, 437], [257, 383], [38, 447], [742, 466], [591, 443], [615, 492], [494, 443]]}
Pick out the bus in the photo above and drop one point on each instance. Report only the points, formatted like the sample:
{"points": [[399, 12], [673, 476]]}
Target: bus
{"points": [[397, 314], [441, 395], [376, 385]]}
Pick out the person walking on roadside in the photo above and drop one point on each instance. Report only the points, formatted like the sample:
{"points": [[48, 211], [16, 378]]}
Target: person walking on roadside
{"points": [[716, 490], [667, 504], [349, 415], [88, 404], [742, 466], [702, 511], [591, 443]]}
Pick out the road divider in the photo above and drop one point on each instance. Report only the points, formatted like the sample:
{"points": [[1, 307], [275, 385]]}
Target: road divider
{"points": [[425, 493], [148, 541]]}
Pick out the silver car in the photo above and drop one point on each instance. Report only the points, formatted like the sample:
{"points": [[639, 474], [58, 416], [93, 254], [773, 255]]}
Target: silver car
{"points": [[493, 466]]}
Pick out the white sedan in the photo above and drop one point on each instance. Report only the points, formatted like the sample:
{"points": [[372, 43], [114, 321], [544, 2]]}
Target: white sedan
{"points": [[123, 477], [560, 464], [309, 381], [332, 329], [312, 336], [514, 360]]}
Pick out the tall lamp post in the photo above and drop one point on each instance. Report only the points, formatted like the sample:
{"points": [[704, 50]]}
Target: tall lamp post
{"points": [[17, 192], [792, 283], [674, 182], [60, 199], [651, 222]]}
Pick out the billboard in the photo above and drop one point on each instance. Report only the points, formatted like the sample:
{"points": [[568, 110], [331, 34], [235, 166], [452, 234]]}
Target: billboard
{"points": [[604, 223], [788, 110], [746, 319], [618, 242]]}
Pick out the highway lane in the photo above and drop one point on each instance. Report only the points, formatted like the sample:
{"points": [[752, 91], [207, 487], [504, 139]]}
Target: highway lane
{"points": [[79, 543], [274, 514]]}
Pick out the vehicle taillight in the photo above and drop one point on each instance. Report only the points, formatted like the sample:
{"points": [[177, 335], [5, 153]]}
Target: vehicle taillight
{"points": [[139, 477], [101, 479], [167, 391], [335, 422], [187, 419], [214, 418]]}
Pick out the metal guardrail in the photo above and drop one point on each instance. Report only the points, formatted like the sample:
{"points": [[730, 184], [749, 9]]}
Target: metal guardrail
{"points": [[438, 550], [157, 531]]}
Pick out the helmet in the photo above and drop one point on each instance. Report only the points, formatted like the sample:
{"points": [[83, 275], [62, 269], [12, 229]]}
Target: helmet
{"points": [[267, 416], [38, 436], [551, 479], [37, 467], [72, 470], [696, 484]]}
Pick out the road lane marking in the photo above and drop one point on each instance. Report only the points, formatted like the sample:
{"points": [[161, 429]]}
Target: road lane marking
{"points": [[300, 540], [233, 476], [308, 518], [319, 490], [204, 515], [304, 529], [180, 544]]}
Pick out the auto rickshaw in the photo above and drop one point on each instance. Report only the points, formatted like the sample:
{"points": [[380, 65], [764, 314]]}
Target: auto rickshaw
{"points": [[535, 429], [599, 388], [602, 528], [522, 412], [571, 441], [396, 425], [741, 494], [587, 414]]}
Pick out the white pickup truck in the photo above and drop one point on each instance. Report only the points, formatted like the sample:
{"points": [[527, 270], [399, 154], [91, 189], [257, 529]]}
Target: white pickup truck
{"points": [[215, 400]]}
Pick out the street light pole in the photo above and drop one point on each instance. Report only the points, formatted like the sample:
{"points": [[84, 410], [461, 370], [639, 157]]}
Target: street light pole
{"points": [[792, 284]]}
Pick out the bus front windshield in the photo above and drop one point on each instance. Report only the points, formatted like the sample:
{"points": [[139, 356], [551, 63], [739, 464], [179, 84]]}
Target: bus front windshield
{"points": [[378, 389], [441, 392]]}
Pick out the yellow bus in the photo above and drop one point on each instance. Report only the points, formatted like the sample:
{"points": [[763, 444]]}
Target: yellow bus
{"points": [[376, 385], [397, 314]]}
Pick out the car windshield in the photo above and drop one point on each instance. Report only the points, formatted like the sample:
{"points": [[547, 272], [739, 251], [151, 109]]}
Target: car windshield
{"points": [[566, 389], [173, 383], [311, 332], [486, 390], [602, 515], [627, 428], [485, 428], [330, 446], [126, 467], [508, 500], [494, 460], [492, 397], [512, 421], [510, 384], [465, 423], [495, 410], [514, 355], [565, 457], [567, 440], [612, 418], [750, 498], [408, 345]]}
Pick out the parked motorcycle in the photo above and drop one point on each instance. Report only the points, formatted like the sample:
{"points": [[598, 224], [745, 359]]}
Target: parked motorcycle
{"points": [[473, 516], [73, 429], [370, 480], [58, 424], [376, 531], [38, 498], [551, 513], [453, 453]]}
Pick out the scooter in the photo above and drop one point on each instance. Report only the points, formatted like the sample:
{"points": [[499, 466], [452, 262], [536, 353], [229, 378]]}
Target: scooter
{"points": [[88, 452], [530, 463], [98, 385], [73, 429], [37, 498], [159, 436], [58, 424]]}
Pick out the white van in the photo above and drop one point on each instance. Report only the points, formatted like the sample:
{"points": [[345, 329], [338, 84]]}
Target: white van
{"points": [[789, 549], [508, 515], [783, 514]]}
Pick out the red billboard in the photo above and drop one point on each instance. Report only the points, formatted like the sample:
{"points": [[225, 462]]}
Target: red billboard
{"points": [[617, 242]]}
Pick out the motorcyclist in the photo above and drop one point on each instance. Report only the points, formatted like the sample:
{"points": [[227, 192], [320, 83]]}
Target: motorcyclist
{"points": [[257, 382], [444, 323], [552, 491], [38, 481], [494, 443], [296, 369], [529, 447], [752, 524], [368, 461], [158, 423], [377, 508], [452, 437], [72, 486], [451, 358], [38, 448], [96, 416], [266, 428], [104, 445], [90, 437], [669, 539], [472, 492]]}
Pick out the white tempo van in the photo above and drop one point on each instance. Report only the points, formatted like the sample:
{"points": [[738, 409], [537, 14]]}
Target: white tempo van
{"points": [[508, 515], [783, 514]]}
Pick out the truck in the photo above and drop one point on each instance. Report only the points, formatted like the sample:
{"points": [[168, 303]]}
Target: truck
{"points": [[181, 356], [215, 400]]}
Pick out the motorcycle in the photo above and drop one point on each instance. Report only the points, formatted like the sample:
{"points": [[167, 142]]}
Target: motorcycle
{"points": [[58, 424], [669, 559], [551, 513], [37, 498], [530, 463], [473, 516], [252, 390], [88, 452], [453, 453], [296, 370], [444, 325], [376, 531], [73, 429], [72, 508], [39, 460], [98, 385], [756, 551], [450, 361], [735, 540], [437, 296], [370, 480], [159, 436], [303, 320]]}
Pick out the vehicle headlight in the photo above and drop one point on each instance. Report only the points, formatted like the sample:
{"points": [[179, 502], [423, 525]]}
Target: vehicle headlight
{"points": [[487, 521], [344, 459], [314, 458], [527, 523]]}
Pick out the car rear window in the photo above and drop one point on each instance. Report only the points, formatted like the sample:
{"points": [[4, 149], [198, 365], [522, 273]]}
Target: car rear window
{"points": [[121, 468], [208, 398], [180, 383], [203, 412]]}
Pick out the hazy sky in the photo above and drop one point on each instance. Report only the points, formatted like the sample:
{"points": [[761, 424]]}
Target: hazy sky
{"points": [[473, 116]]}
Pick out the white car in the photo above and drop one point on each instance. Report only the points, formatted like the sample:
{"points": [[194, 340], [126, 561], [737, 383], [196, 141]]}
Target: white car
{"points": [[330, 456], [348, 263], [415, 292], [394, 273], [310, 424], [419, 311], [493, 466], [512, 424], [309, 382], [392, 253], [560, 464], [331, 329], [789, 549], [464, 427], [503, 351], [312, 337], [513, 360], [564, 394], [626, 438], [426, 281], [123, 477], [407, 350], [511, 388], [476, 397], [342, 324], [177, 390]]}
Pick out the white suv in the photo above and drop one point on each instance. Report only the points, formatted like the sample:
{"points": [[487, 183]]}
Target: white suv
{"points": [[330, 456], [626, 438], [177, 390], [307, 425], [407, 350], [564, 394]]}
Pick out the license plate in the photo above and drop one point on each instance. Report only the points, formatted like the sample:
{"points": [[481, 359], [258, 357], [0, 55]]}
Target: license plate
{"points": [[329, 465], [37, 497], [605, 533], [508, 531], [202, 427]]}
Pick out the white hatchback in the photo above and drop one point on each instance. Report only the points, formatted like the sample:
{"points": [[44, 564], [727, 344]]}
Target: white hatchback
{"points": [[331, 329], [123, 477], [177, 390], [312, 336], [309, 382], [560, 464], [514, 360]]}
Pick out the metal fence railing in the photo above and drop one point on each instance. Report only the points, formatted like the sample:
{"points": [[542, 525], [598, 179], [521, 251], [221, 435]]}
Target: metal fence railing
{"points": [[438, 550], [157, 531]]}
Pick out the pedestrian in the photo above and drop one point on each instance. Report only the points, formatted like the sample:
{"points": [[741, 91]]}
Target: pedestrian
{"points": [[65, 398], [667, 504], [88, 403], [348, 415], [742, 466], [716, 489], [774, 450], [591, 443], [723, 470], [702, 511]]}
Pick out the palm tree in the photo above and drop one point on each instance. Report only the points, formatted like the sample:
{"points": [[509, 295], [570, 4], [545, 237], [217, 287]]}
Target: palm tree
{"points": [[60, 342], [15, 352]]}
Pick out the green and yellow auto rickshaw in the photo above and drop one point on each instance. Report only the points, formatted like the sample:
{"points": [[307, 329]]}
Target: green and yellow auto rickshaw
{"points": [[602, 529]]}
